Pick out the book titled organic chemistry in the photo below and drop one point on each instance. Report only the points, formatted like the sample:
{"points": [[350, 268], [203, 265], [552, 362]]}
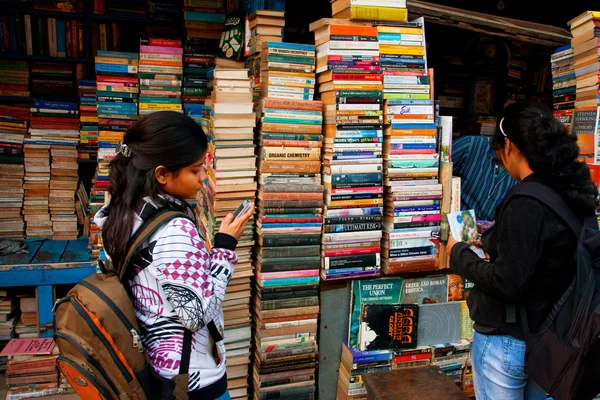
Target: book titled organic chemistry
{"points": [[463, 226]]}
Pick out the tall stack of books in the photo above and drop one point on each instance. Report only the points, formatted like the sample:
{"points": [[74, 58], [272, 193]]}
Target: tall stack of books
{"points": [[14, 121], [200, 50], [231, 165], [116, 75], [290, 204], [585, 46], [564, 84], [353, 365], [88, 119], [265, 26], [410, 358], [14, 78], [370, 10], [161, 73], [8, 318], [351, 88], [413, 193], [27, 327], [52, 80], [63, 185]]}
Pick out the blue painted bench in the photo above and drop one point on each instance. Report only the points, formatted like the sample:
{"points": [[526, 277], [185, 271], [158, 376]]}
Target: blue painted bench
{"points": [[48, 263]]}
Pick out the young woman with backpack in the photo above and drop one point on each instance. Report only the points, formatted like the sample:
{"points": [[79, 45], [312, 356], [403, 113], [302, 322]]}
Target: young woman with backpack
{"points": [[531, 249], [177, 285]]}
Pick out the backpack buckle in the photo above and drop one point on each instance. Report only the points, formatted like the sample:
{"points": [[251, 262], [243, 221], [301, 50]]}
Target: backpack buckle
{"points": [[137, 341]]}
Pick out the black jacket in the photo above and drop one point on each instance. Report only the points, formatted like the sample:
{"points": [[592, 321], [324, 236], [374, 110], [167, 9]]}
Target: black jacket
{"points": [[532, 261]]}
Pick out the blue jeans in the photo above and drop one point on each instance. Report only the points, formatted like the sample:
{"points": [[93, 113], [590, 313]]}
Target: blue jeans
{"points": [[499, 369], [225, 396]]}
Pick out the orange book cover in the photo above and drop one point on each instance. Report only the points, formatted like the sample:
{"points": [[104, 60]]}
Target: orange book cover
{"points": [[161, 63]]}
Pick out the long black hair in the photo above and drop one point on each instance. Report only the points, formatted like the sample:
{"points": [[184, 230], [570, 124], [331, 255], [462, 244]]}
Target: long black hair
{"points": [[164, 138], [551, 151]]}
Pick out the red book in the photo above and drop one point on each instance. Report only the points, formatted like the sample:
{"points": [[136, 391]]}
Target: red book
{"points": [[74, 46], [165, 42], [415, 357]]}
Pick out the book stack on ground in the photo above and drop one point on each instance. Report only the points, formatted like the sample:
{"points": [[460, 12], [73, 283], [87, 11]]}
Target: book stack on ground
{"points": [[8, 317], [52, 80], [231, 168], [14, 78], [265, 26], [161, 72], [14, 121], [88, 119], [452, 359], [32, 370], [411, 162], [353, 365], [351, 87], [585, 46], [27, 325], [370, 10], [117, 111], [564, 84], [290, 204]]}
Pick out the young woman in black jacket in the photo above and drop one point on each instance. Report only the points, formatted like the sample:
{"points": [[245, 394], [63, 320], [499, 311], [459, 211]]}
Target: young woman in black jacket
{"points": [[531, 250]]}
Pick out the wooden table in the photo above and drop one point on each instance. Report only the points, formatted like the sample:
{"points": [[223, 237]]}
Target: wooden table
{"points": [[424, 383], [48, 263]]}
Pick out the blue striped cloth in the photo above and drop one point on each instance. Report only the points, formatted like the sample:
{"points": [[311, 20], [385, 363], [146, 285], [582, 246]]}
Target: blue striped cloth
{"points": [[483, 182]]}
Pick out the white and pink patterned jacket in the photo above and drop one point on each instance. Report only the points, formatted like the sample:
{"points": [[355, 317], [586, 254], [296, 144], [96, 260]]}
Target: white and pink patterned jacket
{"points": [[178, 284]]}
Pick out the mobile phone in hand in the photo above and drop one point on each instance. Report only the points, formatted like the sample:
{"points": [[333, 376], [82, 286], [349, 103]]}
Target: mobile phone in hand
{"points": [[245, 206]]}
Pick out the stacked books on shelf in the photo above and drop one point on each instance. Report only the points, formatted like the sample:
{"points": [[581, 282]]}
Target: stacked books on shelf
{"points": [[27, 325], [14, 121], [161, 73], [564, 84], [452, 359], [231, 168], [8, 319], [351, 88], [411, 161], [265, 26], [370, 10], [353, 365], [290, 204], [14, 78], [585, 44], [88, 119], [52, 80], [64, 181], [410, 358], [116, 75]]}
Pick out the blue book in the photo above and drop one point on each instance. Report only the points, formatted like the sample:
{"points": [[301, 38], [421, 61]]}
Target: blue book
{"points": [[58, 105], [61, 49], [370, 356], [115, 68], [416, 209], [562, 48], [291, 121], [290, 281], [387, 60], [286, 111], [414, 126], [293, 225], [413, 252], [357, 178], [291, 46], [116, 94], [118, 54], [409, 102], [204, 17]]}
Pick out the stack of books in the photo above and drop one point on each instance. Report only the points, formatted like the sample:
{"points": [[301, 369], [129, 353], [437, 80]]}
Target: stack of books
{"points": [[564, 84], [32, 370], [52, 80], [27, 325], [411, 162], [290, 204], [88, 119], [351, 90], [265, 26], [200, 50], [161, 73], [231, 168], [117, 112], [370, 10], [585, 46], [63, 185], [452, 359], [8, 317], [411, 358], [14, 121], [353, 365], [14, 78]]}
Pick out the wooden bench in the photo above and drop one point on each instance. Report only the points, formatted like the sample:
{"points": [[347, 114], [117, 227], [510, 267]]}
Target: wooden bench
{"points": [[423, 383], [48, 263]]}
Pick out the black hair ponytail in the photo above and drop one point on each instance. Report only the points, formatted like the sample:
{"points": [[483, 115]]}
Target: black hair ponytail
{"points": [[165, 138], [551, 151]]}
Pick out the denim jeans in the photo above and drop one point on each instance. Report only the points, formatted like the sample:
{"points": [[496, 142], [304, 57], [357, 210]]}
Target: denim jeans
{"points": [[225, 396], [499, 369]]}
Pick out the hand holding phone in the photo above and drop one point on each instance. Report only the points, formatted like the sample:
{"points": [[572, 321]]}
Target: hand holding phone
{"points": [[241, 210], [234, 224]]}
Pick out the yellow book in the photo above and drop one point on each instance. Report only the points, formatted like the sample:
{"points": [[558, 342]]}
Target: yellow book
{"points": [[115, 61], [15, 93], [399, 29], [406, 50], [379, 13], [154, 106], [586, 16]]}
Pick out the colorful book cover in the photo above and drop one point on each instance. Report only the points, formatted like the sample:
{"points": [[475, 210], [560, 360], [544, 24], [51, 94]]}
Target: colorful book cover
{"points": [[463, 226], [29, 347], [232, 38], [371, 291], [388, 326], [431, 289]]}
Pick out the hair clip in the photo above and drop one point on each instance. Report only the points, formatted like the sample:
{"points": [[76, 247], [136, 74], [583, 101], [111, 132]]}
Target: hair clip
{"points": [[502, 130], [125, 150]]}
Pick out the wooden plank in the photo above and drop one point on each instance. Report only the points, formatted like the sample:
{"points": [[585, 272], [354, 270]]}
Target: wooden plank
{"points": [[24, 258], [77, 250], [52, 274], [45, 300], [50, 252]]}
